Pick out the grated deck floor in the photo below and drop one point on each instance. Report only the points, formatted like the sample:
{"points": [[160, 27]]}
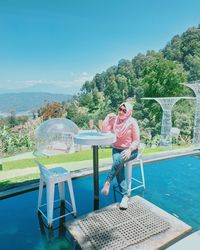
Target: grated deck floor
{"points": [[116, 229], [143, 226]]}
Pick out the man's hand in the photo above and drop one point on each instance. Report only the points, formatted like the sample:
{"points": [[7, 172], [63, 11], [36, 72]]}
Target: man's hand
{"points": [[126, 154]]}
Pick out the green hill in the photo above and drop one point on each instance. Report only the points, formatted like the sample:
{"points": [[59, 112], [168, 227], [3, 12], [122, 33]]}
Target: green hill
{"points": [[154, 74]]}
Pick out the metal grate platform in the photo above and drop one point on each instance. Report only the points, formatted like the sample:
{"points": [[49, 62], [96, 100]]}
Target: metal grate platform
{"points": [[117, 229], [142, 226]]}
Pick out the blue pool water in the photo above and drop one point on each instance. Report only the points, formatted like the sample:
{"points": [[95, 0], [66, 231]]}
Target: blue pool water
{"points": [[173, 185]]}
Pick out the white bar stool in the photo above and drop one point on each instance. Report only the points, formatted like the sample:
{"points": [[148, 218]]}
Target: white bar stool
{"points": [[52, 177], [129, 166]]}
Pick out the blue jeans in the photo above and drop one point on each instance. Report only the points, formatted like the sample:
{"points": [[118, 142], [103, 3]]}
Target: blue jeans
{"points": [[118, 167]]}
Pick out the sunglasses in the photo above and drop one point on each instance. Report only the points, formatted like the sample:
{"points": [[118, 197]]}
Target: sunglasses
{"points": [[123, 110]]}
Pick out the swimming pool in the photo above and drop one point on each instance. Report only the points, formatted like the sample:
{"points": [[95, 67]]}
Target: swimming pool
{"points": [[173, 185]]}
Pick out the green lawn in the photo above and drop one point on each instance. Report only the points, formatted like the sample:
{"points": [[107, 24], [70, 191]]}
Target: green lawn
{"points": [[17, 180], [77, 156]]}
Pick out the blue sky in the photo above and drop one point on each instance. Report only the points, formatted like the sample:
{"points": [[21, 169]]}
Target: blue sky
{"points": [[64, 42]]}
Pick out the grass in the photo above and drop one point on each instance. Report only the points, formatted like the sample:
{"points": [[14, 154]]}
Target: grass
{"points": [[65, 158], [17, 180], [75, 157]]}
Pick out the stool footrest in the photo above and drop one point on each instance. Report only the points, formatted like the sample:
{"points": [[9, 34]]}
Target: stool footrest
{"points": [[133, 179], [57, 201], [125, 192], [136, 187], [53, 219], [59, 217]]}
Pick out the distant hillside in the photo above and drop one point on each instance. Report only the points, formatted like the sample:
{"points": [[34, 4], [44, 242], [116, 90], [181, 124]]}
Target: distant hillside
{"points": [[28, 101], [38, 88], [154, 74]]}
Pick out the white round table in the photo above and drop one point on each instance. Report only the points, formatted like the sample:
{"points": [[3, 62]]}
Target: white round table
{"points": [[95, 139]]}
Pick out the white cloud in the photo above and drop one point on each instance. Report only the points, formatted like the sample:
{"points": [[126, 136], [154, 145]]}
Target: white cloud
{"points": [[84, 76], [84, 73], [41, 81], [73, 82], [74, 78]]}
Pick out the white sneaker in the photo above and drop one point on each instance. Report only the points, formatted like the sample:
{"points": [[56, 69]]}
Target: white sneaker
{"points": [[124, 202]]}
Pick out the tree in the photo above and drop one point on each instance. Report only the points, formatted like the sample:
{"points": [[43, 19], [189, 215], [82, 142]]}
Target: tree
{"points": [[191, 42], [113, 93], [193, 64], [79, 115], [51, 110], [186, 50], [161, 77], [99, 81], [172, 51], [12, 120]]}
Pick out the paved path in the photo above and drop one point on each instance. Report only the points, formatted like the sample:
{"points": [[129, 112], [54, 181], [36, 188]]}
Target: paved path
{"points": [[28, 155], [9, 174]]}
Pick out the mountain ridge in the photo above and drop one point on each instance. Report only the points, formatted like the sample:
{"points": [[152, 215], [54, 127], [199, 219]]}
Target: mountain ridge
{"points": [[21, 102], [42, 88]]}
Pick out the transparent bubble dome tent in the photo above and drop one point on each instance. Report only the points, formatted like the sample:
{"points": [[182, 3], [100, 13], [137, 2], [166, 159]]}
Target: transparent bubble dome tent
{"points": [[55, 136]]}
